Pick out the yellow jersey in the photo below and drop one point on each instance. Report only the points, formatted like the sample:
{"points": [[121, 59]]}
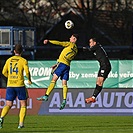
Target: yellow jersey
{"points": [[68, 53], [14, 70]]}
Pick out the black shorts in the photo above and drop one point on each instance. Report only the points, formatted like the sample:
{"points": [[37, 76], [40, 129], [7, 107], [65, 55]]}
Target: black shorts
{"points": [[104, 71]]}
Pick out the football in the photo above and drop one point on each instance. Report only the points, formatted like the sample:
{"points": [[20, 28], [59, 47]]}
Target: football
{"points": [[69, 24]]}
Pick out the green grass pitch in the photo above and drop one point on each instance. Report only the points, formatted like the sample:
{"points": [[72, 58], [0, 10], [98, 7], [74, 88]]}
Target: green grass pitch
{"points": [[69, 124]]}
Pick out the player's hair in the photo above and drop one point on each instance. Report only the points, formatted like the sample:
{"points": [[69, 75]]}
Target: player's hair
{"points": [[18, 48], [76, 35], [94, 39]]}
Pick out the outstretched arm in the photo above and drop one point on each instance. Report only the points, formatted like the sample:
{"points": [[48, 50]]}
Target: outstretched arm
{"points": [[86, 49], [64, 44]]}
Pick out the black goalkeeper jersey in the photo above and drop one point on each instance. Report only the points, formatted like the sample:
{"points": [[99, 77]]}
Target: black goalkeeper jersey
{"points": [[100, 55]]}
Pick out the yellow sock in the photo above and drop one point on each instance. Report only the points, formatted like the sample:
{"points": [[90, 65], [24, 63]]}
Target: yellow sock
{"points": [[50, 88], [22, 115], [65, 89], [5, 111]]}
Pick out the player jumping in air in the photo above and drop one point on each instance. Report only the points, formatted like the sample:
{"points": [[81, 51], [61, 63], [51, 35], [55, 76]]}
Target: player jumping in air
{"points": [[105, 67], [62, 68]]}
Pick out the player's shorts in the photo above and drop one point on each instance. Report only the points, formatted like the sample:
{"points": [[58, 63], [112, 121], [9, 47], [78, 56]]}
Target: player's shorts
{"points": [[13, 92], [104, 71], [62, 71]]}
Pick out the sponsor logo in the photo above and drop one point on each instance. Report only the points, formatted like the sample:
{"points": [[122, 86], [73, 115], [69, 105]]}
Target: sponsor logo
{"points": [[107, 102], [16, 103]]}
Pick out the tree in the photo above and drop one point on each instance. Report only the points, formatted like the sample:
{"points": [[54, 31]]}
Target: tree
{"points": [[46, 13]]}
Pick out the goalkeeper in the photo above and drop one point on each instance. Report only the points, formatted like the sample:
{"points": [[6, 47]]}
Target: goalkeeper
{"points": [[62, 68], [104, 70]]}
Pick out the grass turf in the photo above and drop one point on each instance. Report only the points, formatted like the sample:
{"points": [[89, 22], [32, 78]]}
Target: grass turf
{"points": [[69, 124]]}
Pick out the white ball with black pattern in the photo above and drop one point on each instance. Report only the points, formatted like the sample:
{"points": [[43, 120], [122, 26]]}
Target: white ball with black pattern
{"points": [[69, 24]]}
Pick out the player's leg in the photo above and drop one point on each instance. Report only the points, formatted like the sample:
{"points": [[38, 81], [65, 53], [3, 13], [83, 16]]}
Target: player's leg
{"points": [[22, 94], [56, 74], [22, 113], [10, 96], [65, 90], [102, 75], [50, 88], [65, 78], [6, 108], [97, 90], [5, 111], [99, 85]]}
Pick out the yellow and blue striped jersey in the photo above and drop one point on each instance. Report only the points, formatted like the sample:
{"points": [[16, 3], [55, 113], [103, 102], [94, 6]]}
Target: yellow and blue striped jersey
{"points": [[68, 53], [14, 70]]}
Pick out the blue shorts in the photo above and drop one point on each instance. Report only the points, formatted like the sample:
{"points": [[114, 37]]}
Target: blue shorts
{"points": [[62, 71], [13, 92]]}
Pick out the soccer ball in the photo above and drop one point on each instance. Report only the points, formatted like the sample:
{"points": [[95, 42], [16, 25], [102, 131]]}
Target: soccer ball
{"points": [[69, 24]]}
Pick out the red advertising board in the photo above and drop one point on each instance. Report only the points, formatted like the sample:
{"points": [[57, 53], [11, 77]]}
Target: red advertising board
{"points": [[33, 105]]}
